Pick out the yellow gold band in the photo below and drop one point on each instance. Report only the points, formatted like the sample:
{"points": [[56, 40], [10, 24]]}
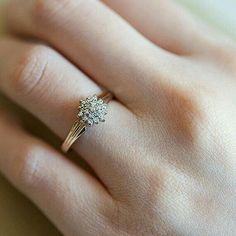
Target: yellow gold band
{"points": [[92, 110]]}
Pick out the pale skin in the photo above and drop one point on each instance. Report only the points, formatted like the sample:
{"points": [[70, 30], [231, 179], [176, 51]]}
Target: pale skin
{"points": [[165, 159]]}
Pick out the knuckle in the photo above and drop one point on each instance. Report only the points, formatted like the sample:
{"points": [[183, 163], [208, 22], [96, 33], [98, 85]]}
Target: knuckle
{"points": [[180, 110], [223, 52], [30, 70], [183, 113], [46, 9], [29, 167], [227, 54]]}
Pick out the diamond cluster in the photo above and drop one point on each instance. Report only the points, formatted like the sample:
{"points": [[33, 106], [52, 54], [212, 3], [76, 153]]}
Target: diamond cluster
{"points": [[92, 110]]}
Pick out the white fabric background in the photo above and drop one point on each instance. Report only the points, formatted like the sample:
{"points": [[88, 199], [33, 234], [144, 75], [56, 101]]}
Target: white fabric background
{"points": [[219, 13]]}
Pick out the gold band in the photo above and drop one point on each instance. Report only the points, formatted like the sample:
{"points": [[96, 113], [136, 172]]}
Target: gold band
{"points": [[98, 104]]}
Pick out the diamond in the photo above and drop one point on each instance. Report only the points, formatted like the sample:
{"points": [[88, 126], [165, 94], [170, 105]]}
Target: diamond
{"points": [[90, 122], [92, 110], [96, 120]]}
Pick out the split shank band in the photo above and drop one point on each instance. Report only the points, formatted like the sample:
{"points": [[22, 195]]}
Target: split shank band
{"points": [[91, 110]]}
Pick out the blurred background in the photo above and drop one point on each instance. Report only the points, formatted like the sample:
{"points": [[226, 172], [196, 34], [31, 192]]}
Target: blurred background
{"points": [[220, 14], [18, 217]]}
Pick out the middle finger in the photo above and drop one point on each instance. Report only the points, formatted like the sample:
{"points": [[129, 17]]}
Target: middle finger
{"points": [[96, 39]]}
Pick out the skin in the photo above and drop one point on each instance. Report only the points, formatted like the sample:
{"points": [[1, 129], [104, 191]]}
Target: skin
{"points": [[165, 160]]}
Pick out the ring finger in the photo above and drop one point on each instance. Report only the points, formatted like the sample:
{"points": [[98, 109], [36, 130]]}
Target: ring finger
{"points": [[46, 84]]}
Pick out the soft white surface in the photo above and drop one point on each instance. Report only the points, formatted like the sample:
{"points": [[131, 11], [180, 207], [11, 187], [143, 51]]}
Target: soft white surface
{"points": [[219, 13]]}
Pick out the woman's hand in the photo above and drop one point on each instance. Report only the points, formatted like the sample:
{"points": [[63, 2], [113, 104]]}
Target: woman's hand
{"points": [[165, 158]]}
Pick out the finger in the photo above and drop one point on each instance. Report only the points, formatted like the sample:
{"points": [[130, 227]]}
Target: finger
{"points": [[163, 22], [96, 39], [1, 19], [47, 85], [69, 196]]}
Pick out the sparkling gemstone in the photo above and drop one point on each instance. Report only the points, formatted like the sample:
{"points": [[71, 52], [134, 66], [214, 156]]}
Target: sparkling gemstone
{"points": [[92, 110], [90, 122]]}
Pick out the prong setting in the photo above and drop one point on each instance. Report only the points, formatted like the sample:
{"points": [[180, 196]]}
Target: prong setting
{"points": [[92, 110]]}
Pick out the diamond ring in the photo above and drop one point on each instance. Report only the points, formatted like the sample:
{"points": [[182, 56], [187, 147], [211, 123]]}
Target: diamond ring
{"points": [[91, 110]]}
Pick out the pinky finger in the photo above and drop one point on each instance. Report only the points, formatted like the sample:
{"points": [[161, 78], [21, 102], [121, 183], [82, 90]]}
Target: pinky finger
{"points": [[68, 195]]}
